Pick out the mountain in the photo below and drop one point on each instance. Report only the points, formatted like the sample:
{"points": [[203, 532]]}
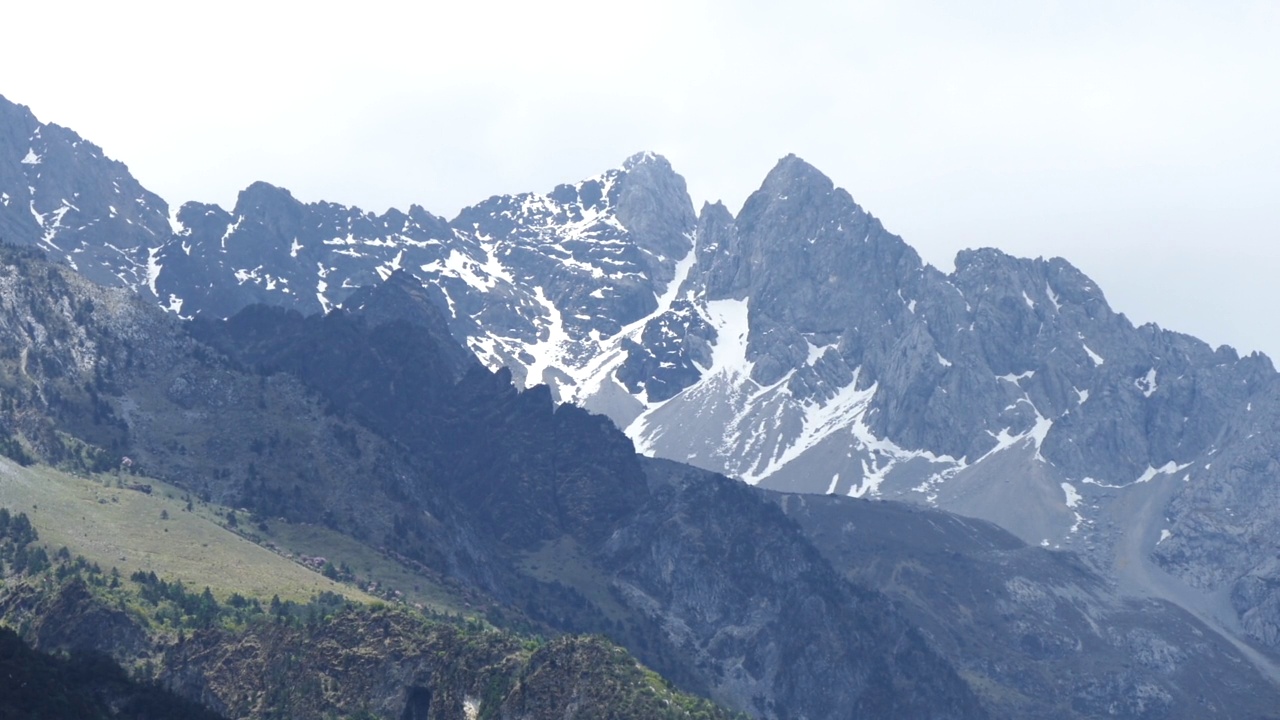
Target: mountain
{"points": [[698, 577], [62, 194], [544, 510], [798, 345], [803, 347], [544, 514]]}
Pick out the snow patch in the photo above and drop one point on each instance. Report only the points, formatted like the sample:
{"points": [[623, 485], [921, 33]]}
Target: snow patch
{"points": [[175, 225], [31, 158], [321, 286], [1075, 526], [175, 305], [1095, 357], [153, 269], [884, 454], [1053, 297], [729, 354], [1147, 384], [1010, 377], [835, 480], [1035, 435], [1164, 535], [1169, 468], [1073, 495], [242, 276], [230, 231], [546, 353], [816, 352], [818, 420]]}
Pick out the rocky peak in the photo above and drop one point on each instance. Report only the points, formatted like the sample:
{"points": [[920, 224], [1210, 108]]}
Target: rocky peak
{"points": [[193, 217], [261, 198], [1054, 281], [644, 199], [61, 193], [17, 126], [646, 157], [654, 204], [432, 225], [798, 217], [792, 174], [718, 255], [794, 191]]}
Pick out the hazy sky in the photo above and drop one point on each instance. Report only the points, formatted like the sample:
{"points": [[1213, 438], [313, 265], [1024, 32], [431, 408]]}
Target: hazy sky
{"points": [[1139, 140]]}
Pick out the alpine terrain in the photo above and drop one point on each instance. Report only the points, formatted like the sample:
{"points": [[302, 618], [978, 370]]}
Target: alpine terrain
{"points": [[1085, 519]]}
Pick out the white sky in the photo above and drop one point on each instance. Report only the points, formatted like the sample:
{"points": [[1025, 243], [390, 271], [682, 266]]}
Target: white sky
{"points": [[1139, 140]]}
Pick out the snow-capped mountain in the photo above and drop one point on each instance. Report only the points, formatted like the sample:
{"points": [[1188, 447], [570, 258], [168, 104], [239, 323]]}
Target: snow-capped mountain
{"points": [[798, 345], [539, 283], [61, 193]]}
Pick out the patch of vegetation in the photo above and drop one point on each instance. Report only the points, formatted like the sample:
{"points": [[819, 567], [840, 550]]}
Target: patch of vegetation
{"points": [[12, 448], [171, 604], [16, 539], [609, 678]]}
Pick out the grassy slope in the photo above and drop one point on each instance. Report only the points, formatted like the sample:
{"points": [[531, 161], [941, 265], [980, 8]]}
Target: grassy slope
{"points": [[124, 529], [366, 562]]}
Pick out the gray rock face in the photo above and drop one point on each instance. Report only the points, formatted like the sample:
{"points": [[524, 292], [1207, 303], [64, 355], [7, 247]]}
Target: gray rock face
{"points": [[534, 282], [62, 194], [272, 248], [1256, 599], [730, 580], [1220, 527], [1030, 623]]}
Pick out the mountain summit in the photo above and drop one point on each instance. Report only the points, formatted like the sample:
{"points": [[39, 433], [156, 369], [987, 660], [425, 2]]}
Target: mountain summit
{"points": [[60, 192]]}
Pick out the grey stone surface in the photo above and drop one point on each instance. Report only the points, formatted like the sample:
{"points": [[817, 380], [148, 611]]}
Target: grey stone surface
{"points": [[60, 193]]}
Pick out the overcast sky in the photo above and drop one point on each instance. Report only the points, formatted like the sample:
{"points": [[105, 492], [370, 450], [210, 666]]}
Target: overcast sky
{"points": [[1139, 140]]}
